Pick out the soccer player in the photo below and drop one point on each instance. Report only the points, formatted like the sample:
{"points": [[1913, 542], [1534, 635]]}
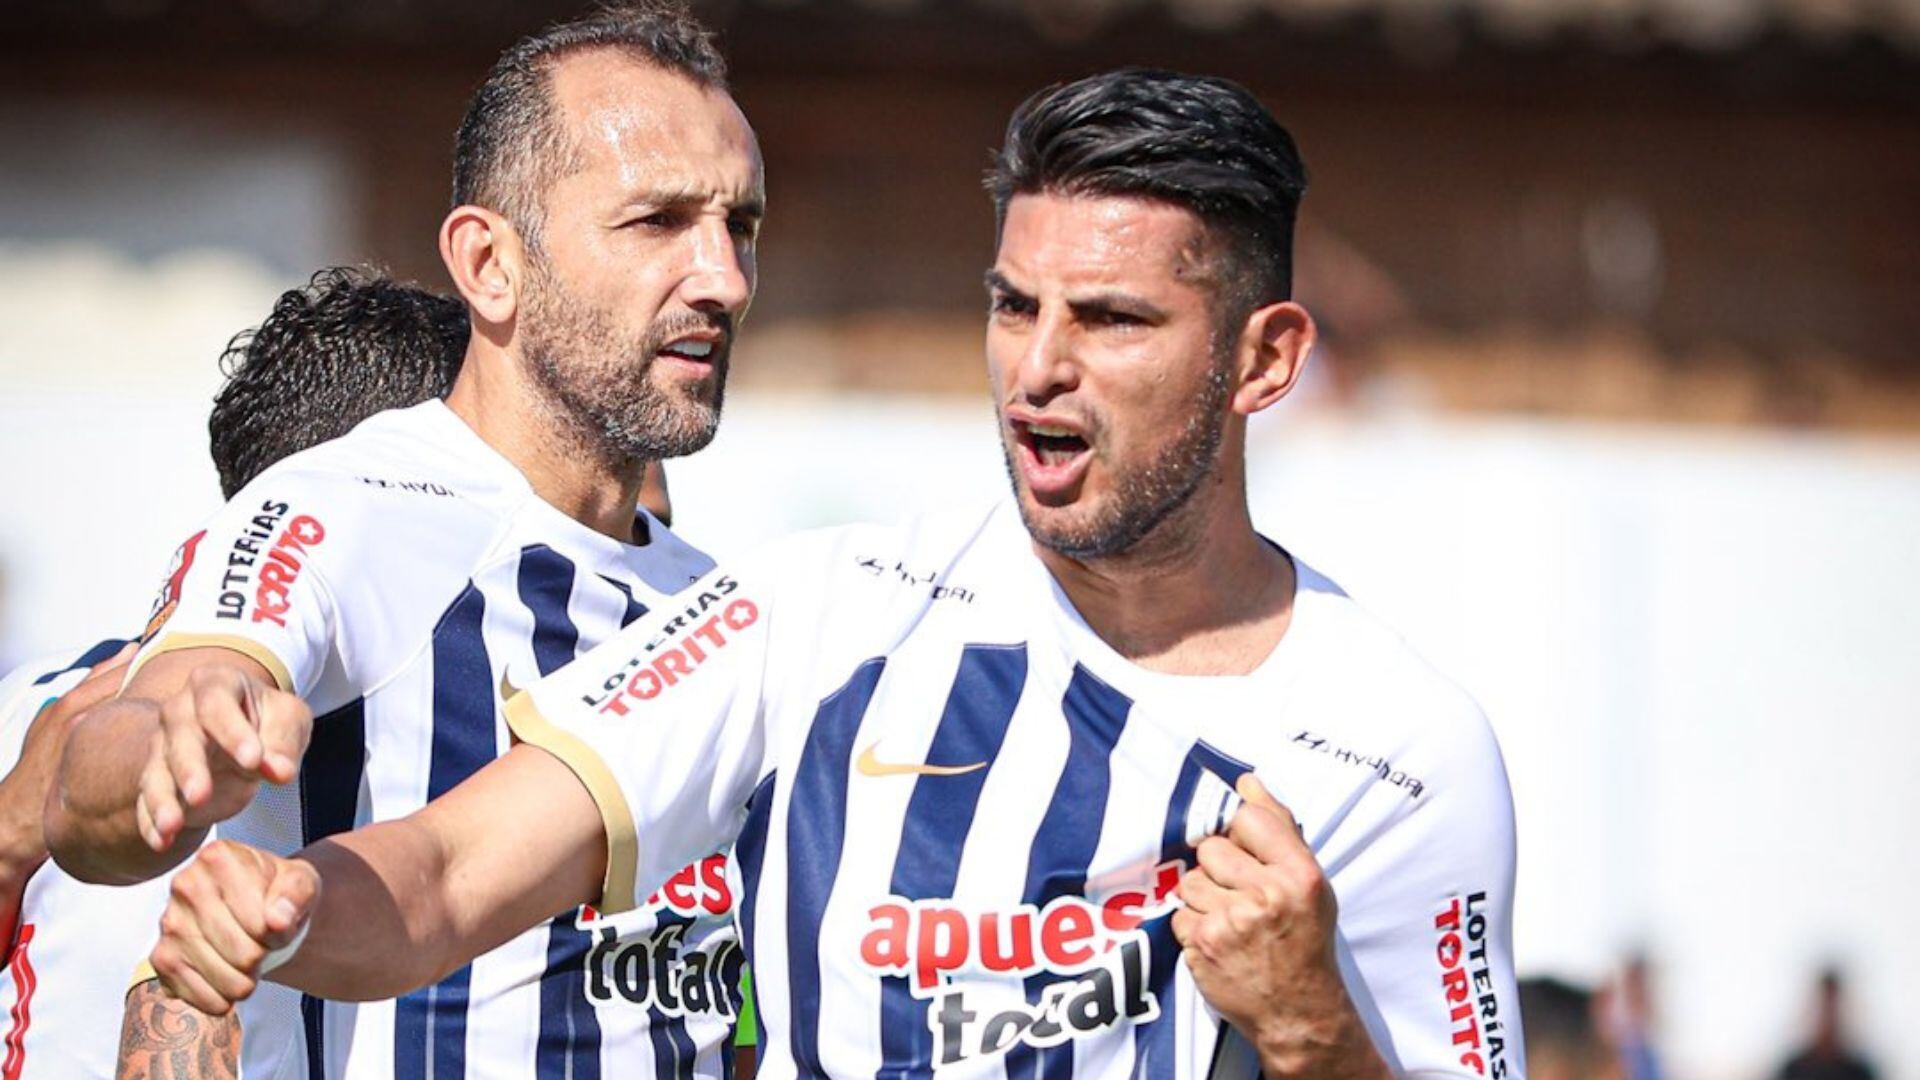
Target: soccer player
{"points": [[982, 767], [346, 346], [405, 578]]}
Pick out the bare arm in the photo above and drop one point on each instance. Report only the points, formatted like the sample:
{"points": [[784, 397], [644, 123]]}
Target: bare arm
{"points": [[164, 1038], [394, 906], [184, 746]]}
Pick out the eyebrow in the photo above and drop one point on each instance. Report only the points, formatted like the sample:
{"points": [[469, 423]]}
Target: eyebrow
{"points": [[997, 282], [1108, 300], [664, 198]]}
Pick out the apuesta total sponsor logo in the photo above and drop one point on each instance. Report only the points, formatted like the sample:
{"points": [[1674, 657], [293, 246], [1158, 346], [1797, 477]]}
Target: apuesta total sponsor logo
{"points": [[266, 564], [964, 962], [661, 968], [682, 645]]}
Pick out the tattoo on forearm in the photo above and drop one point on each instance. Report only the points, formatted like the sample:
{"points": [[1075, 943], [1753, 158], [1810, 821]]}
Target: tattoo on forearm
{"points": [[163, 1038]]}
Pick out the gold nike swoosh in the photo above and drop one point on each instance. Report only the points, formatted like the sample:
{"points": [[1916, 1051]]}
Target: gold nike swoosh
{"points": [[873, 766], [507, 689]]}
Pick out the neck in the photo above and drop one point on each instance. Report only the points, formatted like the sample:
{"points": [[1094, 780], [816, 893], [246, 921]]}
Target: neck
{"points": [[505, 410], [1201, 595]]}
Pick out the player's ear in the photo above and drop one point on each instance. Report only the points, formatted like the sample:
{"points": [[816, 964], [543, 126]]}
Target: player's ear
{"points": [[1274, 344], [486, 259]]}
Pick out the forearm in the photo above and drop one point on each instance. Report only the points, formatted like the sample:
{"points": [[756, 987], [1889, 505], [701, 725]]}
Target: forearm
{"points": [[1326, 1042], [403, 903], [92, 824], [384, 921]]}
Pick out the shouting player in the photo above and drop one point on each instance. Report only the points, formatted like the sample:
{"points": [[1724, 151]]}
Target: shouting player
{"points": [[331, 354], [978, 765], [608, 194]]}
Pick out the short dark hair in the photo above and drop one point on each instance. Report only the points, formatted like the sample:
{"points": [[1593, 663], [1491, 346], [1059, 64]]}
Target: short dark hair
{"points": [[349, 344], [1202, 143], [512, 145]]}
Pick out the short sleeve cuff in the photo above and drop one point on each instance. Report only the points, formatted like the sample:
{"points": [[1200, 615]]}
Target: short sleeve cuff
{"points": [[623, 852], [246, 647]]}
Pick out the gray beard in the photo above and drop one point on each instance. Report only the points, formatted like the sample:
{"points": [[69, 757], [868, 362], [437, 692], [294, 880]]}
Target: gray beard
{"points": [[602, 403]]}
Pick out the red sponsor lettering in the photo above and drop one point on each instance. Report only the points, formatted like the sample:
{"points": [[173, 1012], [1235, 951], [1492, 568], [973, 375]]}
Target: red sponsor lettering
{"points": [[927, 940], [698, 888], [678, 662], [1450, 950], [273, 597]]}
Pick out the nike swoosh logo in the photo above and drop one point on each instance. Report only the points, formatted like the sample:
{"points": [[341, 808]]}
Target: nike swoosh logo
{"points": [[507, 689], [873, 766]]}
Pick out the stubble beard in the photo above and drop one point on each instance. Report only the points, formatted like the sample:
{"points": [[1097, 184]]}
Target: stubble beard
{"points": [[596, 386], [1138, 514]]}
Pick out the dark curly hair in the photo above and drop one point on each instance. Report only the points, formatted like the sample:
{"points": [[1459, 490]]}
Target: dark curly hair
{"points": [[1202, 143], [512, 145], [349, 344]]}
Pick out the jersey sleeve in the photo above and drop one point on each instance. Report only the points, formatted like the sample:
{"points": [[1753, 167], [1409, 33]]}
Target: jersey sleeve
{"points": [[253, 581], [665, 725], [1426, 921]]}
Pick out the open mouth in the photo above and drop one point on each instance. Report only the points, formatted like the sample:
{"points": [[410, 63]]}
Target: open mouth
{"points": [[1053, 447], [1053, 458], [692, 350]]}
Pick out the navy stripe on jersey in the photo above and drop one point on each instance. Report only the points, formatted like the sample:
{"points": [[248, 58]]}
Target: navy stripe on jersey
{"points": [[814, 842], [1069, 834], [750, 855], [673, 1050], [330, 778], [569, 1040], [430, 1024], [940, 812], [1153, 1041], [100, 653], [635, 608]]}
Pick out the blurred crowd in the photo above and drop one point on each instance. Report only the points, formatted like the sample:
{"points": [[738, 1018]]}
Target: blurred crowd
{"points": [[1609, 1032]]}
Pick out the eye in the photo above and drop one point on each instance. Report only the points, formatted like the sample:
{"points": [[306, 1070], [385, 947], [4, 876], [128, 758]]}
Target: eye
{"points": [[1110, 317], [744, 228], [1008, 304], [659, 220]]}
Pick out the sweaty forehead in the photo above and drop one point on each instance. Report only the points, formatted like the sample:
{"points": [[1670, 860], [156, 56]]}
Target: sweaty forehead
{"points": [[1100, 240], [649, 126]]}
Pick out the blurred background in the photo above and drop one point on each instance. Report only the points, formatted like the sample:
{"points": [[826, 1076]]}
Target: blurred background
{"points": [[1617, 414]]}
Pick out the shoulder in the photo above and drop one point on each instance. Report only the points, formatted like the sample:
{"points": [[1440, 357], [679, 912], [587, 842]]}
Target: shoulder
{"points": [[916, 559], [395, 487], [1363, 671]]}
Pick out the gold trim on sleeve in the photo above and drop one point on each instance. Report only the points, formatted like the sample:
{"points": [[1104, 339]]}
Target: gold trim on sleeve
{"points": [[246, 647], [142, 972], [623, 849]]}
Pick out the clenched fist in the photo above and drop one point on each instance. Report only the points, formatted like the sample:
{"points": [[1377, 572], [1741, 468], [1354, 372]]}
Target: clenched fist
{"points": [[230, 908], [220, 735], [1257, 932]]}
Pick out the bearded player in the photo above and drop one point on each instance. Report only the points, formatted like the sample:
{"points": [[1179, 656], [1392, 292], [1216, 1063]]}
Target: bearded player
{"points": [[981, 767], [403, 579]]}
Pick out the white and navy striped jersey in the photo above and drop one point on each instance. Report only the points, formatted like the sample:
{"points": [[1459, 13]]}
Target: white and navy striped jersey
{"points": [[62, 987], [402, 579], [961, 815]]}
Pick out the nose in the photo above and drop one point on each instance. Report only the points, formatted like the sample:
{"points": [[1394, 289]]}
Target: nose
{"points": [[1046, 367], [721, 271]]}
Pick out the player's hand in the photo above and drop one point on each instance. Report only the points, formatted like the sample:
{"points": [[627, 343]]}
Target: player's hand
{"points": [[227, 909], [1257, 932], [221, 735]]}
